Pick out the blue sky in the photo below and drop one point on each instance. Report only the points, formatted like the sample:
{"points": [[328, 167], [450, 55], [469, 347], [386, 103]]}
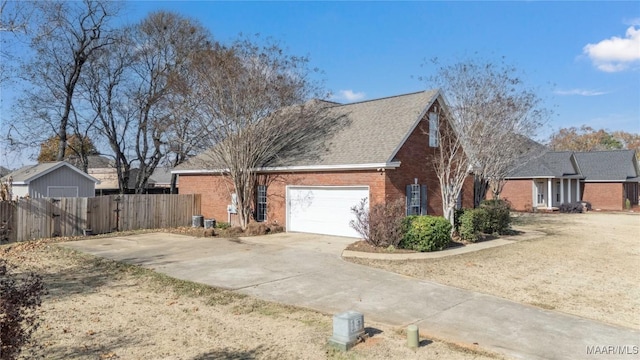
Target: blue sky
{"points": [[583, 57]]}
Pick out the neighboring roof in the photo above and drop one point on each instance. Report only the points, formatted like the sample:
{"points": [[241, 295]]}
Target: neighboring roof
{"points": [[26, 174], [615, 165], [161, 176], [4, 171], [94, 162], [549, 164], [373, 132]]}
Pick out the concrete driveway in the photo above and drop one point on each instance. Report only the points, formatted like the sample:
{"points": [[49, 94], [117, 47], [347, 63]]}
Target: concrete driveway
{"points": [[307, 270]]}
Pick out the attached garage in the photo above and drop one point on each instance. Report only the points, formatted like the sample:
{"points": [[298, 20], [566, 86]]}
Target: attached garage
{"points": [[323, 209]]}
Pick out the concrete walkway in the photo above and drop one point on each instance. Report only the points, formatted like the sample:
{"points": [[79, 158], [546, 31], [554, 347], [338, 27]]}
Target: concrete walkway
{"points": [[306, 270]]}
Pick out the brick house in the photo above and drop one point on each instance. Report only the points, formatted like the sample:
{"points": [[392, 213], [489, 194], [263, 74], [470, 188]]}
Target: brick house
{"points": [[384, 153], [603, 178]]}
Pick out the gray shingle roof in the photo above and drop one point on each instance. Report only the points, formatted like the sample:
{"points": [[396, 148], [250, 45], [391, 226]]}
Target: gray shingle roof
{"points": [[549, 164], [94, 162], [30, 172], [375, 129], [161, 176], [617, 165], [4, 171]]}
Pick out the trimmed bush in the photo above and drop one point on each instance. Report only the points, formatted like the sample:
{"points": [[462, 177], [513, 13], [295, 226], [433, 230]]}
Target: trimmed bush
{"points": [[498, 218], [472, 223], [571, 208], [425, 233], [457, 213]]}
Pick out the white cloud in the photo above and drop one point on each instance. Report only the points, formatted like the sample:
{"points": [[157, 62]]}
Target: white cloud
{"points": [[616, 54], [349, 95], [581, 92]]}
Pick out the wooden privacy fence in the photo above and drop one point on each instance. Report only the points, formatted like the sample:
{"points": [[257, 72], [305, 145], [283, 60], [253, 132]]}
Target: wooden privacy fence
{"points": [[28, 219]]}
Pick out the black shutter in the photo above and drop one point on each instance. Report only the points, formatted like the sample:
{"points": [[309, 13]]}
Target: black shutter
{"points": [[423, 200], [408, 207]]}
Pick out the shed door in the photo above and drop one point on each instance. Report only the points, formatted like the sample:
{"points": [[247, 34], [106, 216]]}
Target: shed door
{"points": [[323, 210]]}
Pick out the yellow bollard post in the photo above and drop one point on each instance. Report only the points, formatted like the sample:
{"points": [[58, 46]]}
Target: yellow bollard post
{"points": [[413, 338]]}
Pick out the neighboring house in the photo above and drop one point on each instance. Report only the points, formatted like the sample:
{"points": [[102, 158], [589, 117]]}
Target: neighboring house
{"points": [[603, 178], [101, 168], [160, 180], [4, 171], [383, 153], [610, 177], [104, 169], [52, 179]]}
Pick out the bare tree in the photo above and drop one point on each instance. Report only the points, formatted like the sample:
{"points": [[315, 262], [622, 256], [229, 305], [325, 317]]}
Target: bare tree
{"points": [[136, 91], [68, 34], [14, 19], [105, 87], [494, 114], [15, 15], [451, 165], [254, 114]]}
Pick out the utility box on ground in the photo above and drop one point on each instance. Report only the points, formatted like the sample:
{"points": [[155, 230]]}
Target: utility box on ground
{"points": [[348, 328]]}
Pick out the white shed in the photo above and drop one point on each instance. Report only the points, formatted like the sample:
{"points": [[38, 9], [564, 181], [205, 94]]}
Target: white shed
{"points": [[52, 179]]}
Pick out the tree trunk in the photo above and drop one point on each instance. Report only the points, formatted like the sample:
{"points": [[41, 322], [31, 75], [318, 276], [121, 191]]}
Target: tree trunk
{"points": [[480, 187], [174, 182]]}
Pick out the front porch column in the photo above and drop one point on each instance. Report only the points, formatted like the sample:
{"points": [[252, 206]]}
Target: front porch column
{"points": [[561, 191], [577, 190], [569, 198], [549, 193]]}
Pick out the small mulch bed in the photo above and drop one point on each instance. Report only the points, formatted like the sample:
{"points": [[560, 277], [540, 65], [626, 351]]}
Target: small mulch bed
{"points": [[363, 246]]}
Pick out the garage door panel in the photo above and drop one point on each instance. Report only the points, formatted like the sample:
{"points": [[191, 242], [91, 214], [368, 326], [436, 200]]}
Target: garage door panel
{"points": [[323, 210]]}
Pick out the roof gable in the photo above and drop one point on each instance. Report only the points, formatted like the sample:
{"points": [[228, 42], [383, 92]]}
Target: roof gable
{"points": [[27, 174], [550, 164], [614, 165]]}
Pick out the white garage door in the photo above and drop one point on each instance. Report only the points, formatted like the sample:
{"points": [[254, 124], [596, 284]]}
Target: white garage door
{"points": [[323, 210]]}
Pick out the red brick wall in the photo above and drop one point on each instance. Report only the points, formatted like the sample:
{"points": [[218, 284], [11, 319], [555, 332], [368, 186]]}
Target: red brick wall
{"points": [[467, 193], [416, 159], [518, 193], [604, 196], [216, 190], [216, 193]]}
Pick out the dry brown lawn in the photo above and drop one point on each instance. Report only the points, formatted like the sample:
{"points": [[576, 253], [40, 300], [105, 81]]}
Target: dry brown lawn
{"points": [[587, 265], [100, 309]]}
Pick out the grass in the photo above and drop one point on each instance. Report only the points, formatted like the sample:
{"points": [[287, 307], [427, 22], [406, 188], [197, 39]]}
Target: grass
{"points": [[236, 303]]}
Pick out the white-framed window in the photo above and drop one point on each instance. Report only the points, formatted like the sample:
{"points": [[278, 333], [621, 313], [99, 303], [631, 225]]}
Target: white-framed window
{"points": [[540, 192], [261, 203], [233, 207], [434, 123], [416, 199]]}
